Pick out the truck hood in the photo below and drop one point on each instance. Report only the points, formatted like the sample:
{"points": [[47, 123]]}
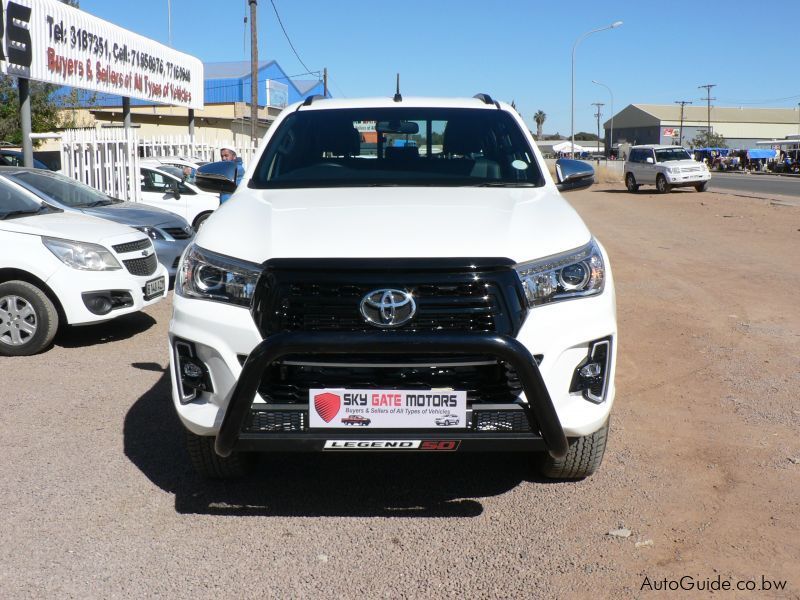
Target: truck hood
{"points": [[517, 223]]}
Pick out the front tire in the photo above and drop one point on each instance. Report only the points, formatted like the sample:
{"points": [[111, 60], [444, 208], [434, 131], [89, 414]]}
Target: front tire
{"points": [[661, 184], [701, 187], [583, 458], [28, 319], [630, 183], [210, 465]]}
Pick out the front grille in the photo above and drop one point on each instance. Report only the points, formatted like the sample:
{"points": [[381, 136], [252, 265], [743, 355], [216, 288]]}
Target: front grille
{"points": [[450, 294], [142, 266], [179, 233], [289, 384], [501, 420], [261, 421], [133, 246]]}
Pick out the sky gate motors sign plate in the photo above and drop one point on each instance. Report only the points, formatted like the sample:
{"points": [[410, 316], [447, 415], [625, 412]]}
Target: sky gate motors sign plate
{"points": [[387, 409], [46, 40]]}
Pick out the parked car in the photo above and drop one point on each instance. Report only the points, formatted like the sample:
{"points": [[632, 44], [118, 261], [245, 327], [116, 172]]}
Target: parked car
{"points": [[169, 232], [356, 420], [447, 420], [14, 158], [170, 192], [58, 267], [665, 167], [446, 273]]}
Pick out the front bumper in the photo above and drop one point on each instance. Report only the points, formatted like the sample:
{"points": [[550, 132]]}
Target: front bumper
{"points": [[539, 411], [687, 179]]}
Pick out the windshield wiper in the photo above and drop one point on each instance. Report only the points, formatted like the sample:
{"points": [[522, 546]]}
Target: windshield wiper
{"points": [[22, 213], [504, 184], [98, 203]]}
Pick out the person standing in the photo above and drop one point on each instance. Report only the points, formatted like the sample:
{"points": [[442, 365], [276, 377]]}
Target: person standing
{"points": [[229, 154]]}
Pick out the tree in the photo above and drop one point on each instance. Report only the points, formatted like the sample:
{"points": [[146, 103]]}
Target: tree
{"points": [[708, 139], [539, 118]]}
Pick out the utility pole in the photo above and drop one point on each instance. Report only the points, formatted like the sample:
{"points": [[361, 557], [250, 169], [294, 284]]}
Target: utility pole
{"points": [[708, 99], [598, 114], [325, 82], [682, 103], [253, 74]]}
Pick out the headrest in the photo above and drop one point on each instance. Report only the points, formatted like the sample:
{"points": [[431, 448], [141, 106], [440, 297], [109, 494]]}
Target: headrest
{"points": [[340, 138], [402, 152], [462, 137]]}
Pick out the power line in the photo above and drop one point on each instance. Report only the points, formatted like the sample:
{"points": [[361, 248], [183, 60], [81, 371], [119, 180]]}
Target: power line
{"points": [[275, 8]]}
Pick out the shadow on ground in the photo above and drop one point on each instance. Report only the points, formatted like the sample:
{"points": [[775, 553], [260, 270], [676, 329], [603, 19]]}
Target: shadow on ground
{"points": [[312, 485], [117, 329]]}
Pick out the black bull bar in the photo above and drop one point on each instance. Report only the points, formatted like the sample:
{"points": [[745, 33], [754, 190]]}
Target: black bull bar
{"points": [[539, 409]]}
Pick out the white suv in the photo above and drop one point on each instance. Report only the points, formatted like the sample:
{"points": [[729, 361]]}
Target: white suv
{"points": [[396, 262], [58, 265], [665, 167]]}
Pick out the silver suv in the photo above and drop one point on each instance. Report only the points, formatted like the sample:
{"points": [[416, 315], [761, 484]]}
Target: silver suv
{"points": [[666, 167]]}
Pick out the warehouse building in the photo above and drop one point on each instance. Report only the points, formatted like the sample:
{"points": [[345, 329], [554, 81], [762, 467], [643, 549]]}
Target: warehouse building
{"points": [[661, 124]]}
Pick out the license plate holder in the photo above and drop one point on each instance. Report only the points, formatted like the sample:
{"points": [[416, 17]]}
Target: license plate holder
{"points": [[154, 287], [359, 409]]}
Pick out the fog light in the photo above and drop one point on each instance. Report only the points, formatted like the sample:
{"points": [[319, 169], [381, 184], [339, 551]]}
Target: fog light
{"points": [[192, 373], [591, 376]]}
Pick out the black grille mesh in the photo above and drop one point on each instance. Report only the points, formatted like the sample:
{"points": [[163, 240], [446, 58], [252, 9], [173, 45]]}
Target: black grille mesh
{"points": [[501, 420], [178, 233], [275, 421], [142, 266], [132, 246]]}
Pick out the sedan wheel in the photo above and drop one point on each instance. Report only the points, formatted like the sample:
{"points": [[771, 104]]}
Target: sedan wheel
{"points": [[28, 319]]}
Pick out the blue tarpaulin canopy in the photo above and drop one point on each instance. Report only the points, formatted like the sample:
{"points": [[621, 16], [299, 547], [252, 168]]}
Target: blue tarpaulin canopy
{"points": [[761, 153]]}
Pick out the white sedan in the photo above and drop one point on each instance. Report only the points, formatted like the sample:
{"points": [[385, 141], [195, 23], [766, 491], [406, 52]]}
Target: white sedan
{"points": [[165, 190]]}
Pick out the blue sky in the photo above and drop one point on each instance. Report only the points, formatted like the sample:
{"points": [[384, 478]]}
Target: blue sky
{"points": [[514, 50]]}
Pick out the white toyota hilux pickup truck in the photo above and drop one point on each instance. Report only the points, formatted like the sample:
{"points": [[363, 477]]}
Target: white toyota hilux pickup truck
{"points": [[395, 275]]}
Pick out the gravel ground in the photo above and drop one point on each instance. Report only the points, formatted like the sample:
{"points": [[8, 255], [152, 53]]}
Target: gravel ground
{"points": [[703, 466]]}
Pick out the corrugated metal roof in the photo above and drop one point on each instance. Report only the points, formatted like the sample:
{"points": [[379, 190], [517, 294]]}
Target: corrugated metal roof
{"points": [[231, 70], [719, 114]]}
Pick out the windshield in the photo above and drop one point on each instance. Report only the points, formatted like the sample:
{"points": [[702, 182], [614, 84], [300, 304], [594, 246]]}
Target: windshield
{"points": [[397, 146], [68, 192], [668, 154], [14, 203]]}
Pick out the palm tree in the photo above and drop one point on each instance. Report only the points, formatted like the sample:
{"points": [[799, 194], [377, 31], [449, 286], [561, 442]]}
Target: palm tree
{"points": [[539, 118]]}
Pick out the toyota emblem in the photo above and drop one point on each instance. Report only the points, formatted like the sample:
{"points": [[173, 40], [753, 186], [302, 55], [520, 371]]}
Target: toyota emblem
{"points": [[388, 308]]}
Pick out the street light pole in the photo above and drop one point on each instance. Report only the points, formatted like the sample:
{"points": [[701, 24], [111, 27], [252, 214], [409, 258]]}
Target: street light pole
{"points": [[611, 138], [614, 25]]}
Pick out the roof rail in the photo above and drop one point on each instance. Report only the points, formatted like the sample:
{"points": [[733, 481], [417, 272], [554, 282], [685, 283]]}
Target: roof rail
{"points": [[485, 98], [310, 99]]}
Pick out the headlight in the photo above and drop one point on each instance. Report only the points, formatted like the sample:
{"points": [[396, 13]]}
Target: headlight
{"points": [[152, 232], [82, 255], [574, 274], [673, 170], [210, 276]]}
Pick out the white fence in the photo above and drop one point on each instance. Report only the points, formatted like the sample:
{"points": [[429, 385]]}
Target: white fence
{"points": [[108, 159], [104, 159]]}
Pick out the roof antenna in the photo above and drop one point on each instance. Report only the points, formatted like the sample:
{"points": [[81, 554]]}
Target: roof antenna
{"points": [[397, 96]]}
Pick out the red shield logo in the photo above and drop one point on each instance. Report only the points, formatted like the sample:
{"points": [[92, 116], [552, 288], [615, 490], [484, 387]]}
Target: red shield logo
{"points": [[327, 405]]}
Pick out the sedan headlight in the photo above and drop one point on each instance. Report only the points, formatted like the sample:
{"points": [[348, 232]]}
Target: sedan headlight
{"points": [[151, 232], [210, 276], [574, 274], [82, 255]]}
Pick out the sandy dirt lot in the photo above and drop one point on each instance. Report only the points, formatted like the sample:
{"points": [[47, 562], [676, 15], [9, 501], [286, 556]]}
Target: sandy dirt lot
{"points": [[703, 464]]}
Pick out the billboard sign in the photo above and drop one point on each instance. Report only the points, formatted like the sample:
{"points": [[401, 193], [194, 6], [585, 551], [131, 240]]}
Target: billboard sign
{"points": [[277, 94], [46, 40]]}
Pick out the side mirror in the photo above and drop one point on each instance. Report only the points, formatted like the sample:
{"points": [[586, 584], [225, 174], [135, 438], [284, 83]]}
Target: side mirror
{"points": [[217, 177], [175, 189], [649, 160], [573, 174]]}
